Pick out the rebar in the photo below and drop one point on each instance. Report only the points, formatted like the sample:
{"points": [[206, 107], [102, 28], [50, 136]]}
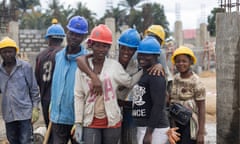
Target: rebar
{"points": [[229, 5], [6, 15]]}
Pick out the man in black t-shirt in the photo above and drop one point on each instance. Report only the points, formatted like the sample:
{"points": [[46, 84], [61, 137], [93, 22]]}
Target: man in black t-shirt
{"points": [[45, 63]]}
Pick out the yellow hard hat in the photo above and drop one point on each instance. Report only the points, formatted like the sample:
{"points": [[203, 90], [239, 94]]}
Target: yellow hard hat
{"points": [[7, 42], [183, 50], [158, 30], [54, 21]]}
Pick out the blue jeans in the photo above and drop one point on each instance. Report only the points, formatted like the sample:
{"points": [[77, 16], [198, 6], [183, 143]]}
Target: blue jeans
{"points": [[101, 135], [19, 132]]}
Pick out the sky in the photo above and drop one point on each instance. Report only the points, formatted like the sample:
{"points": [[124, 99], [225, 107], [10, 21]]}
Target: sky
{"points": [[190, 12]]}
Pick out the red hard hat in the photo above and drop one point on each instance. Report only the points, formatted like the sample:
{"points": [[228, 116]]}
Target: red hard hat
{"points": [[101, 33]]}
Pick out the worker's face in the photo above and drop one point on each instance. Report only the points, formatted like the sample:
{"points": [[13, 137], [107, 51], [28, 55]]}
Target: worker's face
{"points": [[183, 63], [8, 54], [146, 60], [125, 54], [74, 39], [100, 50]]}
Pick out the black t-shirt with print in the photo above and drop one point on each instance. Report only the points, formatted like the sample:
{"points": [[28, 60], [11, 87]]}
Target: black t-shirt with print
{"points": [[149, 102]]}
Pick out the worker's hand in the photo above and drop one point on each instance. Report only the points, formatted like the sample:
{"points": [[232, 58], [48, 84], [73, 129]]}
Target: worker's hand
{"points": [[78, 133], [173, 136], [200, 139], [156, 69], [35, 114], [96, 85]]}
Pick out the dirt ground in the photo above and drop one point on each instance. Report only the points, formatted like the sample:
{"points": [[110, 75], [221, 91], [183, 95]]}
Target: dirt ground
{"points": [[209, 80]]}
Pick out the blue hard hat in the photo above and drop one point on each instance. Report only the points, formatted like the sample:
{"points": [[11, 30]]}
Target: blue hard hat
{"points": [[55, 31], [149, 45], [130, 38], [78, 25]]}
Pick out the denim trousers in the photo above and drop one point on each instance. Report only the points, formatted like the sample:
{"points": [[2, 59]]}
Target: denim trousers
{"points": [[101, 135], [20, 132]]}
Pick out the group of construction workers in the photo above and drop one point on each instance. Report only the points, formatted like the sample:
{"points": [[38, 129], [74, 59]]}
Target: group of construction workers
{"points": [[89, 98]]}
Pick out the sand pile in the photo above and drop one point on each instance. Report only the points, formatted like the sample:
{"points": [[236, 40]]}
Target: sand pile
{"points": [[209, 80]]}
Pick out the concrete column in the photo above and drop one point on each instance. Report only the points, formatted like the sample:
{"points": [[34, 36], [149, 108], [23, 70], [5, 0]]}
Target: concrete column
{"points": [[203, 34], [13, 31], [110, 22], [197, 40], [178, 33], [228, 95]]}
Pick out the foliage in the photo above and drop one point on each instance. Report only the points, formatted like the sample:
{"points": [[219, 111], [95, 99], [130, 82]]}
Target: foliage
{"points": [[17, 8], [82, 10], [118, 14], [212, 21], [130, 3], [128, 12], [140, 17], [132, 15], [56, 10], [154, 14], [33, 20], [24, 5]]}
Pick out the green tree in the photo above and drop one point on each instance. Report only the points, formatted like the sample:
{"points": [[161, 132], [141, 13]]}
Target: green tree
{"points": [[130, 3], [21, 6], [82, 10], [32, 20], [56, 10], [138, 16], [27, 13], [212, 21], [118, 14], [130, 6], [17, 8], [24, 5], [153, 13]]}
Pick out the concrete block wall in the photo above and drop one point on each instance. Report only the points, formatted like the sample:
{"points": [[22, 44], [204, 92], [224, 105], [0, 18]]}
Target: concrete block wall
{"points": [[228, 99], [32, 40]]}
